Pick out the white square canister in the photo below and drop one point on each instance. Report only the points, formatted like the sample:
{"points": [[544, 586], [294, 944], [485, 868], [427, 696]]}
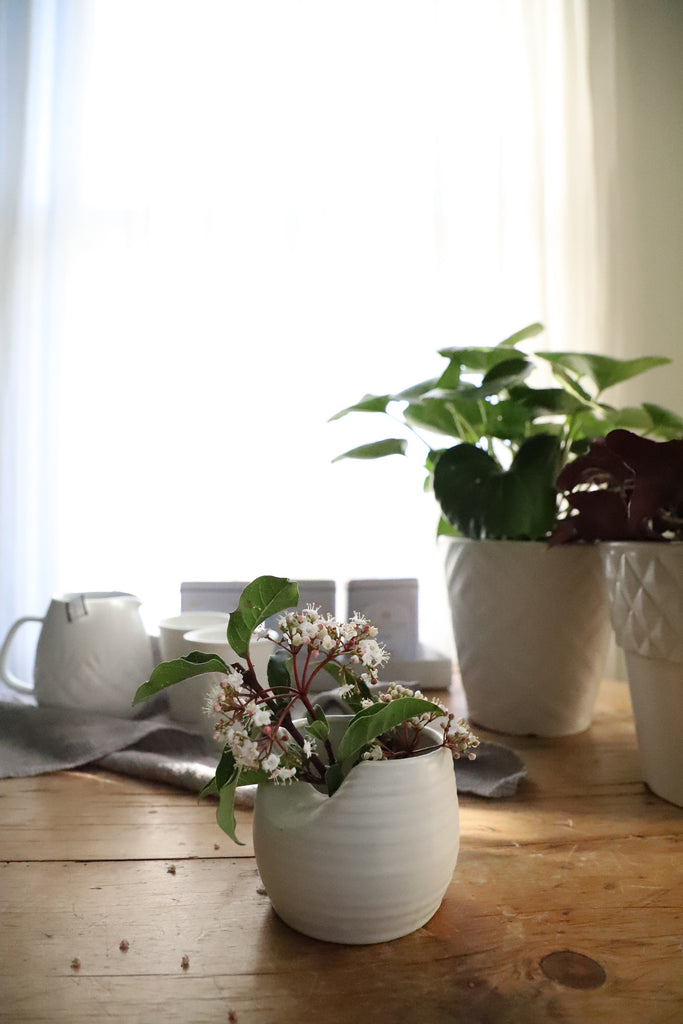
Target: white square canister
{"points": [[210, 596], [224, 597], [392, 606]]}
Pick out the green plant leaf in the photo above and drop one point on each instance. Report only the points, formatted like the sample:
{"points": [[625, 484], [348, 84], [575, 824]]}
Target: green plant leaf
{"points": [[415, 391], [379, 718], [503, 375], [482, 500], [376, 449], [471, 360], [334, 776], [210, 789], [450, 413], [664, 423], [446, 529], [369, 403], [320, 729], [171, 672], [265, 596], [251, 777], [507, 420], [546, 401], [226, 768], [570, 383], [603, 371], [527, 332], [279, 673], [225, 812]]}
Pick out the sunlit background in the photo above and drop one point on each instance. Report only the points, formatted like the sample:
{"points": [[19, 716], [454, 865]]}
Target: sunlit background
{"points": [[226, 221]]}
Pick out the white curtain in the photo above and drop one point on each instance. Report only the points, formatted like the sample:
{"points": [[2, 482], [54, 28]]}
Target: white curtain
{"points": [[223, 222]]}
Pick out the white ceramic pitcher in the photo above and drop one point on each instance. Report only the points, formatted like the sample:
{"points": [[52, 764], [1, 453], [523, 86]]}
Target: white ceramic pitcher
{"points": [[93, 652]]}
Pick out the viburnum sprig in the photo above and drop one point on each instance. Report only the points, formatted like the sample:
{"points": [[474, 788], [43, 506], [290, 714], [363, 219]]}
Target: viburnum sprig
{"points": [[256, 722], [406, 739], [262, 741]]}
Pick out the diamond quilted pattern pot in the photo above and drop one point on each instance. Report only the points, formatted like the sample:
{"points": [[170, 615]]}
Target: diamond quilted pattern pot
{"points": [[645, 587]]}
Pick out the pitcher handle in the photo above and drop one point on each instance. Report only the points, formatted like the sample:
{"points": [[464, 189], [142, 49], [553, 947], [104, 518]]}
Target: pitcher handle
{"points": [[6, 675]]}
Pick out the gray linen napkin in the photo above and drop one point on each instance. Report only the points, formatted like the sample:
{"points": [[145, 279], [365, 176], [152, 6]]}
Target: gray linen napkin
{"points": [[34, 740]]}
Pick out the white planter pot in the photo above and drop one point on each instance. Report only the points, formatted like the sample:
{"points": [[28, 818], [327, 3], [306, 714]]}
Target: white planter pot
{"points": [[370, 863], [645, 586], [531, 629]]}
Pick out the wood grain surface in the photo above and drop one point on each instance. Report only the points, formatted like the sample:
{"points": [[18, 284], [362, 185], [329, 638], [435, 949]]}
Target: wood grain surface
{"points": [[566, 906]]}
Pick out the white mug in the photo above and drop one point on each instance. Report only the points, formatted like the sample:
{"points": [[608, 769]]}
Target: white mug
{"points": [[172, 631], [187, 700]]}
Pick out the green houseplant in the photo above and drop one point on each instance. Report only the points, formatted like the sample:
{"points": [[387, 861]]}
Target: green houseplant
{"points": [[530, 624], [506, 438], [348, 808], [626, 493]]}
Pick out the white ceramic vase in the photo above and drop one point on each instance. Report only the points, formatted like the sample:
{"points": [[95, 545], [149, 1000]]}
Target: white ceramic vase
{"points": [[531, 629], [368, 864], [645, 586]]}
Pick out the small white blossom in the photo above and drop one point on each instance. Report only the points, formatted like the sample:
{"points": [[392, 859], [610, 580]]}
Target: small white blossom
{"points": [[373, 753], [246, 753], [261, 717], [270, 763]]}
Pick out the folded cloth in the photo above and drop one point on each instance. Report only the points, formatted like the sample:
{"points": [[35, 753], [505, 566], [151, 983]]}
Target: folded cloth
{"points": [[34, 740]]}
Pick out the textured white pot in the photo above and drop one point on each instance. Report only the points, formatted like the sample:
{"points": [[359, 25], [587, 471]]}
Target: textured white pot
{"points": [[368, 864], [645, 586], [531, 629]]}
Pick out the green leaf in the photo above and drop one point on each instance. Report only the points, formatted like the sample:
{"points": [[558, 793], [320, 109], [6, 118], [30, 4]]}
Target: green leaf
{"points": [[664, 423], [415, 391], [320, 729], [369, 403], [471, 360], [449, 413], [507, 420], [210, 789], [334, 776], [571, 385], [376, 449], [503, 375], [225, 812], [379, 718], [265, 596], [338, 672], [226, 768], [527, 332], [445, 529], [603, 371], [461, 486], [279, 673], [646, 419], [482, 500], [546, 401], [171, 672], [251, 777]]}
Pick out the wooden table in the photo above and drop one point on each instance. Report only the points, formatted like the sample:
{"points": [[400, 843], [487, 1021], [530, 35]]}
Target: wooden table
{"points": [[583, 861]]}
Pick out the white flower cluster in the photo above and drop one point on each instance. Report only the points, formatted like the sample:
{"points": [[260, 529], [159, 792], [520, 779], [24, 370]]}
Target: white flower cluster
{"points": [[460, 740], [245, 724], [325, 639]]}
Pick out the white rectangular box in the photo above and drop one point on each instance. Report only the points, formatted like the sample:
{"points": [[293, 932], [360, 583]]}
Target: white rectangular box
{"points": [[392, 606], [224, 597], [210, 597]]}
